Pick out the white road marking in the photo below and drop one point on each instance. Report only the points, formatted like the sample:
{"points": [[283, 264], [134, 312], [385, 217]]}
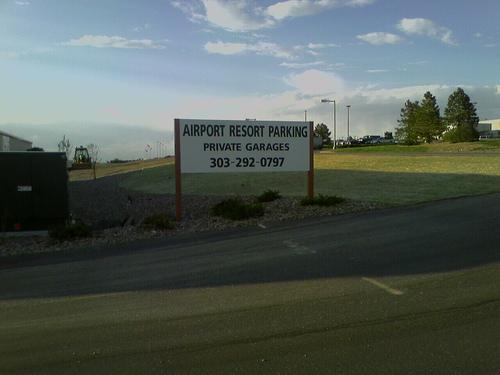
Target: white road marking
{"points": [[298, 249], [262, 226], [388, 289]]}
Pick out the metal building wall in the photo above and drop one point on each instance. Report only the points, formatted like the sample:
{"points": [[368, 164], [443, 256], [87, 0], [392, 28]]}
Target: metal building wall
{"points": [[4, 143], [19, 144], [9, 143]]}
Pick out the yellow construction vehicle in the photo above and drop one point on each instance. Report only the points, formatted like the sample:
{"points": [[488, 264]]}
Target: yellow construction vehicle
{"points": [[82, 159]]}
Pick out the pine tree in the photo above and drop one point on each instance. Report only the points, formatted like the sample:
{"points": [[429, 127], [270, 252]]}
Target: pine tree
{"points": [[321, 130], [429, 124], [460, 118], [407, 131]]}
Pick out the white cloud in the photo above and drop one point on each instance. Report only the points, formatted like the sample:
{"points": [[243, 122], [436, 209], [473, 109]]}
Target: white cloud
{"points": [[374, 109], [302, 65], [9, 55], [426, 27], [193, 10], [316, 82], [222, 48], [146, 26], [379, 38], [22, 3], [103, 41], [313, 48], [236, 15], [25, 53], [245, 15], [260, 48], [269, 49], [378, 95], [313, 53], [487, 41], [258, 36], [322, 45], [420, 62], [377, 71], [300, 8]]}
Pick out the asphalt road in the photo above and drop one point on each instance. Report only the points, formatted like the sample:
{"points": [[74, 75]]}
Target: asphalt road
{"points": [[411, 290]]}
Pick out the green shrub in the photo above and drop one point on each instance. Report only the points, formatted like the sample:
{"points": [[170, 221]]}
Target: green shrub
{"points": [[236, 209], [461, 134], [70, 231], [158, 222], [322, 200], [269, 196]]}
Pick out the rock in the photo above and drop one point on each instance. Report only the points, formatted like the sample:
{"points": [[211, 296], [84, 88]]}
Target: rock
{"points": [[112, 212]]}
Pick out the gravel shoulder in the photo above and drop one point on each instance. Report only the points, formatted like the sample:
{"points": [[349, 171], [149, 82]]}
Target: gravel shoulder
{"points": [[115, 214]]}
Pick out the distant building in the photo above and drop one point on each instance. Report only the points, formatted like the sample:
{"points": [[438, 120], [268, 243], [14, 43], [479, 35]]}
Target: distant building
{"points": [[10, 142], [489, 128]]}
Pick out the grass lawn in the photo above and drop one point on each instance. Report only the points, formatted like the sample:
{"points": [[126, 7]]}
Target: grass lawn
{"points": [[387, 178], [492, 145]]}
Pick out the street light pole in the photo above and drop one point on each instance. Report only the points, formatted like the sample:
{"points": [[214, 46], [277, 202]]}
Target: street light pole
{"points": [[348, 113], [334, 124], [334, 120]]}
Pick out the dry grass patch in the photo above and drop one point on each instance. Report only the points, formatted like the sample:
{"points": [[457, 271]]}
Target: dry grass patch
{"points": [[110, 169]]}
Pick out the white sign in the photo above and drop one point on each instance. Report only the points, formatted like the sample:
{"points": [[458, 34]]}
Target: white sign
{"points": [[24, 188], [243, 146]]}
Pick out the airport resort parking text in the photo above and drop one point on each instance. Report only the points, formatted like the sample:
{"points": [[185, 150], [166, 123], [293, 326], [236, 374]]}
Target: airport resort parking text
{"points": [[246, 146]]}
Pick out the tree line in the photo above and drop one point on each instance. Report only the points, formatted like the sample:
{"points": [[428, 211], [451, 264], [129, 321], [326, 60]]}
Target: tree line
{"points": [[421, 121]]}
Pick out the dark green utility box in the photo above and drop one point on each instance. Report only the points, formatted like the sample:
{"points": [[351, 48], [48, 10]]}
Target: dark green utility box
{"points": [[33, 190]]}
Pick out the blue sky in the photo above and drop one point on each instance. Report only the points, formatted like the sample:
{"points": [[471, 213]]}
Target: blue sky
{"points": [[124, 69]]}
